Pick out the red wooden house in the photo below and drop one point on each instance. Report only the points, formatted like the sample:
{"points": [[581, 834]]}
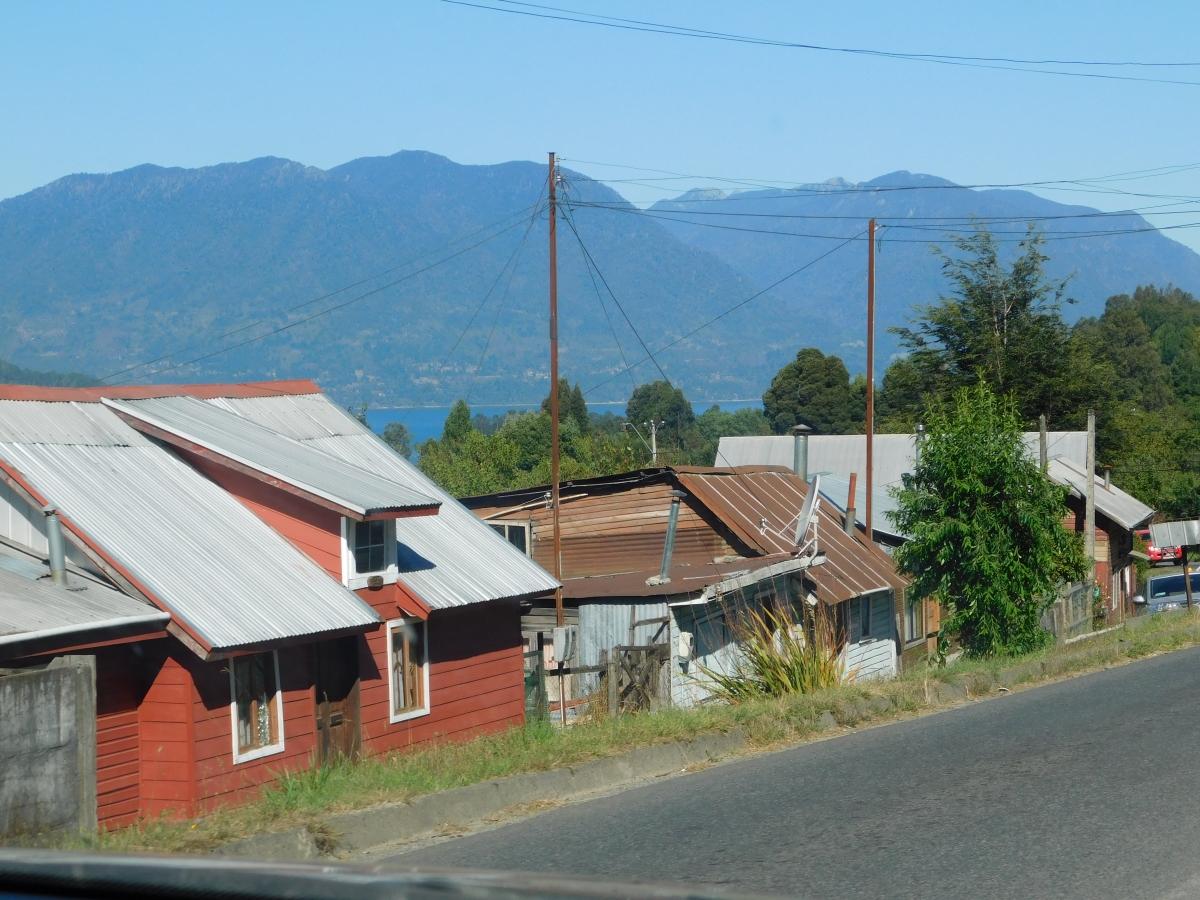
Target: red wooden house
{"points": [[324, 596]]}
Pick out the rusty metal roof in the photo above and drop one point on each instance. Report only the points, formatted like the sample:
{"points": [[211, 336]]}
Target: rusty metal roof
{"points": [[761, 505], [620, 519]]}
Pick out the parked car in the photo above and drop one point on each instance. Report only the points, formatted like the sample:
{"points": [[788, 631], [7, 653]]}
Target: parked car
{"points": [[1159, 554], [1164, 592]]}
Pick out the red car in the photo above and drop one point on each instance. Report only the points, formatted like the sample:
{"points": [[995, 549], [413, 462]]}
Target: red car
{"points": [[1159, 554]]}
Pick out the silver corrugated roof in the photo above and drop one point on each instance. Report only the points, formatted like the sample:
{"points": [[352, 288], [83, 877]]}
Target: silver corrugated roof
{"points": [[276, 455], [214, 564], [30, 602], [841, 454], [451, 559], [1185, 533], [1113, 502]]}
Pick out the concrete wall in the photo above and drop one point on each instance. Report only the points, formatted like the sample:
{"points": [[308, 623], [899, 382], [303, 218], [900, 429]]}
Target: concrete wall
{"points": [[48, 747]]}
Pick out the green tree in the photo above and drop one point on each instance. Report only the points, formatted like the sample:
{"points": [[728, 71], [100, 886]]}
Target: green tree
{"points": [[901, 400], [571, 405], [397, 436], [814, 390], [716, 423], [985, 527], [1003, 320]]}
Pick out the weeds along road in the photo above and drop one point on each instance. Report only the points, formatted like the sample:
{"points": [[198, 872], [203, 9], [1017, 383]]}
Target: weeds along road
{"points": [[1089, 788]]}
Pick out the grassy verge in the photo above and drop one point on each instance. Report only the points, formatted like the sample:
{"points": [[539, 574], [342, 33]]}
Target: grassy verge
{"points": [[302, 799]]}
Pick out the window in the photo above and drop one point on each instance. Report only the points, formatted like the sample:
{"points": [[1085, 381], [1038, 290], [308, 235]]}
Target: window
{"points": [[864, 618], [257, 706], [914, 619], [368, 551], [408, 659], [516, 534], [369, 546]]}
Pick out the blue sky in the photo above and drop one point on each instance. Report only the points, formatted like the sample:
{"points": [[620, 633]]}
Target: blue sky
{"points": [[101, 87]]}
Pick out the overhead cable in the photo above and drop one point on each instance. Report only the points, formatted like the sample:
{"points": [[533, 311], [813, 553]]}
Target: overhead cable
{"points": [[738, 306], [1007, 64]]}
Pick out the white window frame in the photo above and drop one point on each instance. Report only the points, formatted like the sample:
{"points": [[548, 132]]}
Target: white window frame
{"points": [[260, 752], [351, 578], [526, 526], [392, 627], [919, 606]]}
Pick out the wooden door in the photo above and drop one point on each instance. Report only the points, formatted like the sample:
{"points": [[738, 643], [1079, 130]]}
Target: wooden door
{"points": [[339, 731]]}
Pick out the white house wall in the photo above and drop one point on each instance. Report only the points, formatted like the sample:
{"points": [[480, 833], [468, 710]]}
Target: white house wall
{"points": [[24, 525]]}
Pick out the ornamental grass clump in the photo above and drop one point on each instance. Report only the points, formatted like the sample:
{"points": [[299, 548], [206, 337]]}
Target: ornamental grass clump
{"points": [[777, 652]]}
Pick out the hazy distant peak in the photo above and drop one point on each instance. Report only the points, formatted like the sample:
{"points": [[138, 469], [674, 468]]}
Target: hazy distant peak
{"points": [[709, 193], [903, 178]]}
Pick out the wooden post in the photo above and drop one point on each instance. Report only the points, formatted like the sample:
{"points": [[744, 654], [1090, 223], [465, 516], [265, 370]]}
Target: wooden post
{"points": [[614, 677], [1089, 509], [870, 376], [1043, 449], [558, 598], [1187, 578]]}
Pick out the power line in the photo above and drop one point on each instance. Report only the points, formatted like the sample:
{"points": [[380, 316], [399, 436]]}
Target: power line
{"points": [[607, 317], [331, 309], [801, 188], [738, 306], [516, 258], [308, 303], [588, 257], [1050, 236], [1006, 64], [510, 261]]}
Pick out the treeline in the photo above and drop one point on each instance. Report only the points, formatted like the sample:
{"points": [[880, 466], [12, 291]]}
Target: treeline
{"points": [[480, 454], [1000, 322]]}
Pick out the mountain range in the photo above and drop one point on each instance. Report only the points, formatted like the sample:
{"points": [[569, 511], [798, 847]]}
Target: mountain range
{"points": [[412, 279]]}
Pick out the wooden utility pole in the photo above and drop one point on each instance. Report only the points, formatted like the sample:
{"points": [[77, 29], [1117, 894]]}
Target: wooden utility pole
{"points": [[1089, 506], [870, 376], [558, 598]]}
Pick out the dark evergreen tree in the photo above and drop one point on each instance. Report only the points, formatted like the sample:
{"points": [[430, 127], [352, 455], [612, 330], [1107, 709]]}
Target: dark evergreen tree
{"points": [[814, 390]]}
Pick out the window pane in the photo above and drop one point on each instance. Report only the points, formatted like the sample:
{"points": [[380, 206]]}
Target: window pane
{"points": [[516, 536], [408, 660], [499, 529], [254, 695], [865, 617]]}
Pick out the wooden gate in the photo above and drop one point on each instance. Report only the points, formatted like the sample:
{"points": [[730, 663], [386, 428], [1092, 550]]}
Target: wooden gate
{"points": [[634, 679], [339, 732]]}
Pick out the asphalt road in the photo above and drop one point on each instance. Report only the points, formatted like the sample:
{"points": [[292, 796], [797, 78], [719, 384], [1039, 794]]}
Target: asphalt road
{"points": [[1088, 788]]}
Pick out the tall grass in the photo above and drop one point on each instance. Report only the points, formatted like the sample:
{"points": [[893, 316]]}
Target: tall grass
{"points": [[778, 652]]}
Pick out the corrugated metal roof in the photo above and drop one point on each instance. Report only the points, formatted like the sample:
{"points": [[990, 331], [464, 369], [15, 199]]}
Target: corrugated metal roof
{"points": [[842, 454], [1185, 533], [836, 490], [451, 559], [1125, 510], [279, 456], [215, 565], [762, 506], [30, 602], [685, 580]]}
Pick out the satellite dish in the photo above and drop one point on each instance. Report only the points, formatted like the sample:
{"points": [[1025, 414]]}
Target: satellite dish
{"points": [[808, 510]]}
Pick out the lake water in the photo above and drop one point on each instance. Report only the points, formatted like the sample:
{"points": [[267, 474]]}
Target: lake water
{"points": [[427, 421]]}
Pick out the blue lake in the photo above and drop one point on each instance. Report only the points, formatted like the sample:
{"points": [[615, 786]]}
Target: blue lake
{"points": [[427, 421]]}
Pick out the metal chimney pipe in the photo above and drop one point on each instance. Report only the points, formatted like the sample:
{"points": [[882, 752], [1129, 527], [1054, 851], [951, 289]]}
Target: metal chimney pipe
{"points": [[664, 574], [57, 552], [800, 450], [919, 442], [851, 516], [1108, 478]]}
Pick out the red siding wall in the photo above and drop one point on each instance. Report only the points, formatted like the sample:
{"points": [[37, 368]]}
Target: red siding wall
{"points": [[166, 732], [314, 530], [476, 676], [118, 770], [218, 780]]}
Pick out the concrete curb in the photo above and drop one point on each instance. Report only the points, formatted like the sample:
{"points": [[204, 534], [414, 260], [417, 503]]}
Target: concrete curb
{"points": [[354, 832], [358, 831]]}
